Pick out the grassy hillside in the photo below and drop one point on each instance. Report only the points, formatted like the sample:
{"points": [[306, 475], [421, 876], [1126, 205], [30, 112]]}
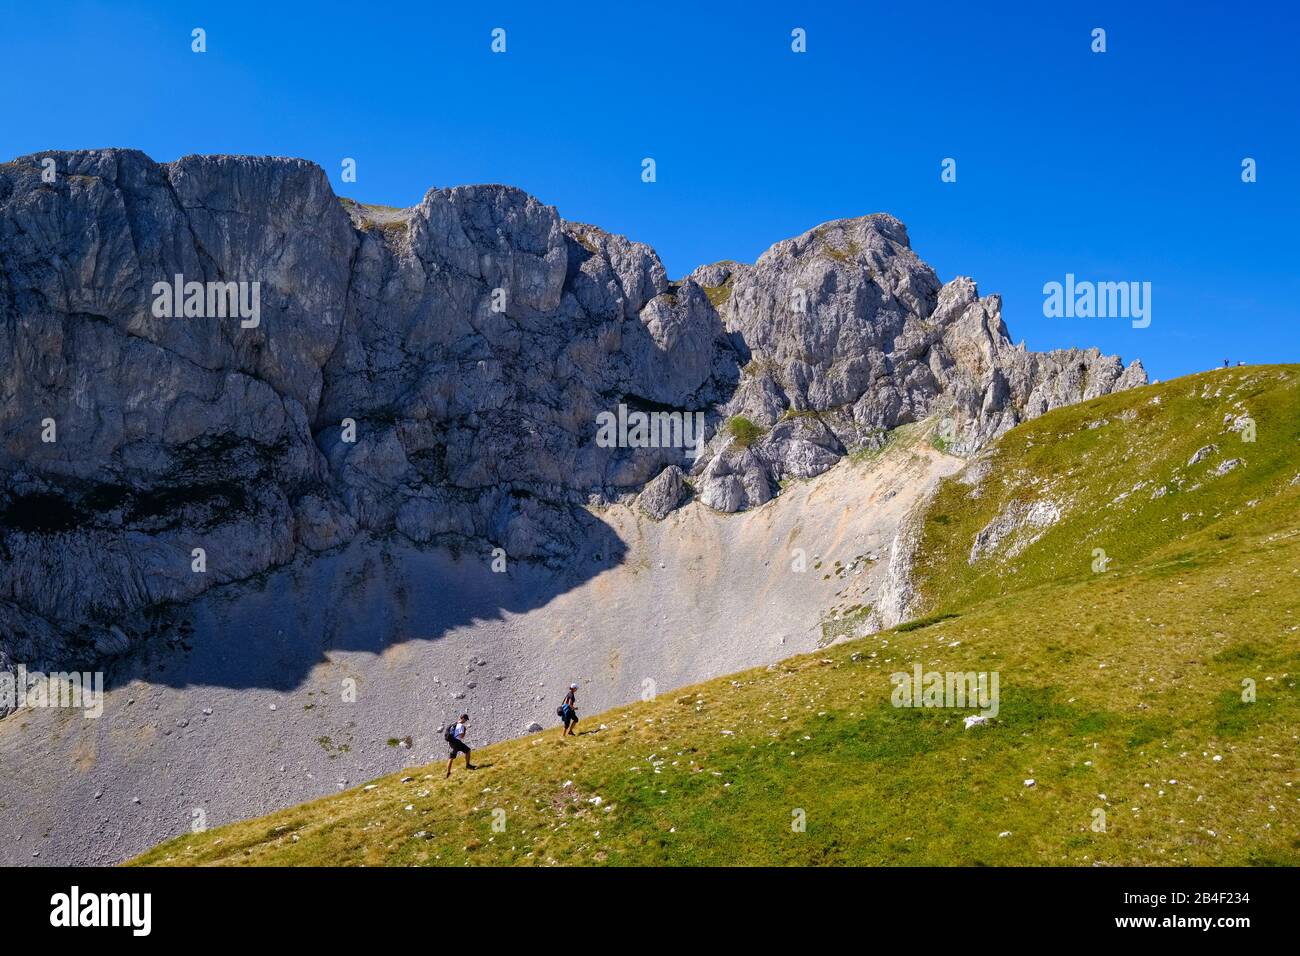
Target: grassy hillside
{"points": [[1120, 691], [1118, 471]]}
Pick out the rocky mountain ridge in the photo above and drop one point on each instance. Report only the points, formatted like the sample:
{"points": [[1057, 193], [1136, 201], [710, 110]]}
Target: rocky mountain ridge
{"points": [[435, 372]]}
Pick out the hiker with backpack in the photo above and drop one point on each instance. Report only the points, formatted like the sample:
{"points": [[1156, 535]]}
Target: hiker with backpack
{"points": [[454, 735], [567, 713]]}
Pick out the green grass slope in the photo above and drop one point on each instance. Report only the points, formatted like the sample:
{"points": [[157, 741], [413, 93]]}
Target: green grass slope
{"points": [[1121, 691], [1118, 471]]}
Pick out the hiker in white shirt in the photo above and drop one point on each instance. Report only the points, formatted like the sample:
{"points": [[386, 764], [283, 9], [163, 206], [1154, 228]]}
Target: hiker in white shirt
{"points": [[455, 737]]}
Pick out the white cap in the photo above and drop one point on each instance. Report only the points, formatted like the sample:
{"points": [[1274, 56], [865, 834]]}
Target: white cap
{"points": [[573, 687]]}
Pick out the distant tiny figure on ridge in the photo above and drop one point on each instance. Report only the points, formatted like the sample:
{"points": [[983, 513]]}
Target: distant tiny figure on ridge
{"points": [[455, 737], [567, 711]]}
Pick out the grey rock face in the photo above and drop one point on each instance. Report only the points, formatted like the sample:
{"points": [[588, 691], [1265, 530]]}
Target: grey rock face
{"points": [[846, 323], [435, 371], [663, 494], [734, 480]]}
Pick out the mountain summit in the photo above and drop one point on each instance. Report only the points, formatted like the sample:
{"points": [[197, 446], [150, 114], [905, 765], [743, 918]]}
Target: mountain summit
{"points": [[438, 371]]}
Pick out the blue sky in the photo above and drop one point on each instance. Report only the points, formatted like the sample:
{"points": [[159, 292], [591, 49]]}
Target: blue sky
{"points": [[1117, 166]]}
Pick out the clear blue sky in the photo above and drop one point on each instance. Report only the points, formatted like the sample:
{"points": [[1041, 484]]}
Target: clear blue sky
{"points": [[1117, 166]]}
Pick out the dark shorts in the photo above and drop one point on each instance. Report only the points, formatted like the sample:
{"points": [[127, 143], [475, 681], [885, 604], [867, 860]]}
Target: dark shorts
{"points": [[457, 747], [570, 717]]}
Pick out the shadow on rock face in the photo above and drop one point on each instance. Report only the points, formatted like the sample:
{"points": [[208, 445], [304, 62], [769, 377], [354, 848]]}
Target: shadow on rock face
{"points": [[371, 596]]}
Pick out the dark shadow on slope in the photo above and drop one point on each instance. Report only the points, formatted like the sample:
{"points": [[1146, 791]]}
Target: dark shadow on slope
{"points": [[368, 596]]}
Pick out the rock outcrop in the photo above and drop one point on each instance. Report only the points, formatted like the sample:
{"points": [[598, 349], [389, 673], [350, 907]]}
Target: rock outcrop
{"points": [[847, 326], [436, 371], [663, 494]]}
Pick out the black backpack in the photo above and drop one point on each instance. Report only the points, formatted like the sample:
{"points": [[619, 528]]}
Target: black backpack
{"points": [[446, 734], [559, 711]]}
